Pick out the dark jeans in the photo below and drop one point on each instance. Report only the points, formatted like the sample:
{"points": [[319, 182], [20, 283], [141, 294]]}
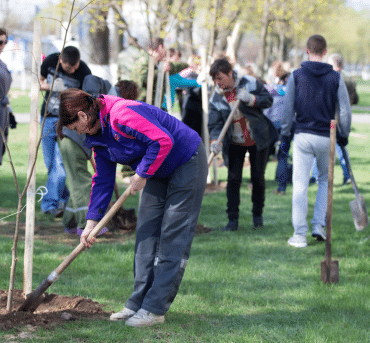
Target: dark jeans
{"points": [[284, 169], [167, 219], [258, 161]]}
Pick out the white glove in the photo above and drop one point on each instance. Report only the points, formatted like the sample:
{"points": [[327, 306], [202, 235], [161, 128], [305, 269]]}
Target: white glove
{"points": [[202, 77], [59, 85], [246, 97], [215, 147]]}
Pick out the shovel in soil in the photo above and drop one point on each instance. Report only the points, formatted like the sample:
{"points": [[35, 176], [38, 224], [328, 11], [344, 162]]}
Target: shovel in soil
{"points": [[329, 268], [224, 129], [357, 206], [31, 302]]}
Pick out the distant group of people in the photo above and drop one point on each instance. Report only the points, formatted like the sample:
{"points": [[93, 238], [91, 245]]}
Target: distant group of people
{"points": [[95, 121]]}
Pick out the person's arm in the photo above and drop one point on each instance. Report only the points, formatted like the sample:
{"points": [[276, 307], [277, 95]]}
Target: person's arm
{"points": [[344, 109], [254, 94], [44, 86], [288, 108], [215, 121], [102, 185], [263, 97], [181, 82]]}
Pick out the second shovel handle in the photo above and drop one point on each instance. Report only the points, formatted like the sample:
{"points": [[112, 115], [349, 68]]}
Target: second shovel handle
{"points": [[329, 212], [224, 129]]}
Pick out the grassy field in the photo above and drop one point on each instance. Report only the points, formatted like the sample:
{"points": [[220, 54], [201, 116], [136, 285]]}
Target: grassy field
{"points": [[363, 89], [244, 286]]}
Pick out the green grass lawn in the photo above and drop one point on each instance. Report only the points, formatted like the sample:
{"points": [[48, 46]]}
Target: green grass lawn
{"points": [[363, 90], [244, 286], [20, 100]]}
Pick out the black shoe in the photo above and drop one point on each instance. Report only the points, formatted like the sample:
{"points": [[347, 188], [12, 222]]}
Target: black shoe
{"points": [[257, 222], [232, 225], [312, 180]]}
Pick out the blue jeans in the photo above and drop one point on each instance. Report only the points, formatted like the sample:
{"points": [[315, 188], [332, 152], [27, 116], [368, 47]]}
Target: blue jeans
{"points": [[342, 161], [167, 219], [56, 184], [305, 148]]}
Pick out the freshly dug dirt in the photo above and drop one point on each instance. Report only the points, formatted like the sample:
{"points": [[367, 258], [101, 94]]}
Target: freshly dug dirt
{"points": [[53, 310], [57, 309], [202, 229]]}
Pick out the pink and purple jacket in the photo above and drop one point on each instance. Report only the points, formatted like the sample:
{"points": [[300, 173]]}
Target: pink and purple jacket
{"points": [[142, 136]]}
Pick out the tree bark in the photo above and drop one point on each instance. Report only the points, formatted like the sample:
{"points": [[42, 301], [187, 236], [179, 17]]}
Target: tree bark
{"points": [[99, 40], [263, 37]]}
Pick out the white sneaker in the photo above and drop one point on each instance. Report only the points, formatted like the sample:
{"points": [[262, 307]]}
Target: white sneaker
{"points": [[126, 313], [144, 318], [298, 241], [319, 232]]}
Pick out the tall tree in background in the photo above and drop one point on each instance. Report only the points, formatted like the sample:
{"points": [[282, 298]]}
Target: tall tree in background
{"points": [[99, 34]]}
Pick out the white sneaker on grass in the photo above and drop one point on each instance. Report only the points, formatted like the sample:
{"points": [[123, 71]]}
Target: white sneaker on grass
{"points": [[126, 313], [298, 241], [319, 232], [144, 318]]}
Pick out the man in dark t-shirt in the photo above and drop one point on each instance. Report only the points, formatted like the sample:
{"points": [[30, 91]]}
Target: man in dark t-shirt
{"points": [[69, 74]]}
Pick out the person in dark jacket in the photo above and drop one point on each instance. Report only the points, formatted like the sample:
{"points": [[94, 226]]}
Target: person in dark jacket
{"points": [[70, 74], [250, 131], [170, 166], [313, 94], [192, 111]]}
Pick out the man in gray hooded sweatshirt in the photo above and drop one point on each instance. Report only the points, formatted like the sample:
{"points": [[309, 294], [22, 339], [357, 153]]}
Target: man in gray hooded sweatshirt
{"points": [[314, 93]]}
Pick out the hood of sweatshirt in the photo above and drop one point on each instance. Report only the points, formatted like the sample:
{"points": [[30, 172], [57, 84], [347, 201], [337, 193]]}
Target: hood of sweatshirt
{"points": [[317, 68]]}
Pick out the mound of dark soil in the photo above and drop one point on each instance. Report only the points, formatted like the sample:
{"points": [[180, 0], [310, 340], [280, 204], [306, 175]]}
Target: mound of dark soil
{"points": [[53, 310]]}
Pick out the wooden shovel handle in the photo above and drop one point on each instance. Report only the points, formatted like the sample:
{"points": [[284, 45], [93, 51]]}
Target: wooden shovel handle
{"points": [[329, 212], [102, 223], [224, 129]]}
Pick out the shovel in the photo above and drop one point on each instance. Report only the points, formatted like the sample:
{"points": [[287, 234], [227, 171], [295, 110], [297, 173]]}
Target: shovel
{"points": [[357, 206], [224, 129], [329, 268], [31, 303]]}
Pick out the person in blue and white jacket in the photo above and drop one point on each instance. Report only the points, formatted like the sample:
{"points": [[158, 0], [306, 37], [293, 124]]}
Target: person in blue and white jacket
{"points": [[170, 166], [314, 93]]}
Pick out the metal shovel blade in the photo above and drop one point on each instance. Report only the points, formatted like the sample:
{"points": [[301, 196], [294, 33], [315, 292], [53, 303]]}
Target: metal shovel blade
{"points": [[359, 212], [329, 271]]}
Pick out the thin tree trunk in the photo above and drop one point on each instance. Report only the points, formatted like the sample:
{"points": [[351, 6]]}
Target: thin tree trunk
{"points": [[213, 33], [263, 37], [280, 26], [14, 258], [295, 36], [100, 43]]}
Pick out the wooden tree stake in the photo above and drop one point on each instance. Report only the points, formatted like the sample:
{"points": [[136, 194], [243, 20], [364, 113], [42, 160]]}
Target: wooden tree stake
{"points": [[34, 124]]}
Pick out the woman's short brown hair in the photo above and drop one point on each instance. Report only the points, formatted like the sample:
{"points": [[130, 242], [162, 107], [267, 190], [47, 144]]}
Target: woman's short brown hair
{"points": [[128, 89], [221, 65], [72, 101]]}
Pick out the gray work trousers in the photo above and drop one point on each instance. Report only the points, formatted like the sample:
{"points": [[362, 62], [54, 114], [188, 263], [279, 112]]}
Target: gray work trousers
{"points": [[167, 219]]}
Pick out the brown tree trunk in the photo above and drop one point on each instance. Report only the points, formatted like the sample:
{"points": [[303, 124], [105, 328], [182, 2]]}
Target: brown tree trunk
{"points": [[263, 38], [99, 40]]}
